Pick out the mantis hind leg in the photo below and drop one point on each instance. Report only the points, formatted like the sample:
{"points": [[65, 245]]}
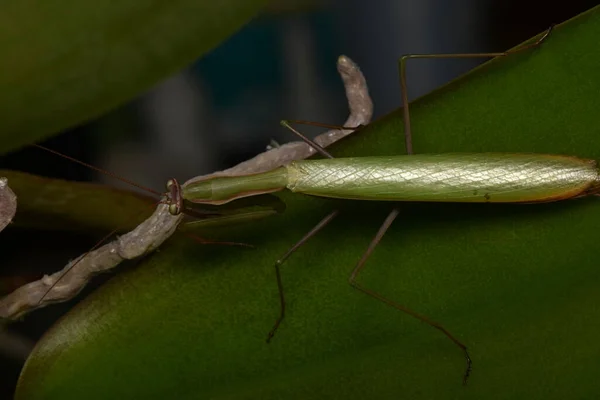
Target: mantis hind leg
{"points": [[359, 267], [404, 87], [394, 213]]}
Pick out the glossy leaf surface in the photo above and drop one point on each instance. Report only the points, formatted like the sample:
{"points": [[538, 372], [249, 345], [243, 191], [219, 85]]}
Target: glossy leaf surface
{"points": [[518, 284], [64, 62]]}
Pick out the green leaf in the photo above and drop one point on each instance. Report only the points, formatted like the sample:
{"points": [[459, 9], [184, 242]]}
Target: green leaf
{"points": [[518, 284], [64, 62], [46, 203]]}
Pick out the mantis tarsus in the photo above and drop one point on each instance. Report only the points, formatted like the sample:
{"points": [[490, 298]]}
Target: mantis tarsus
{"points": [[485, 177]]}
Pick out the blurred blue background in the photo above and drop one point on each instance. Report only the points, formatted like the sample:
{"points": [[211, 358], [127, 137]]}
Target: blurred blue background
{"points": [[226, 107]]}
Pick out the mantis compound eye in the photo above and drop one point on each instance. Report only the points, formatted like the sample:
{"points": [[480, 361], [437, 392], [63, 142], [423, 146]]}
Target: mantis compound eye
{"points": [[175, 198], [174, 209]]}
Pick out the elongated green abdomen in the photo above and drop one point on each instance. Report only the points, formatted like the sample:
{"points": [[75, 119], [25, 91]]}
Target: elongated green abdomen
{"points": [[466, 177]]}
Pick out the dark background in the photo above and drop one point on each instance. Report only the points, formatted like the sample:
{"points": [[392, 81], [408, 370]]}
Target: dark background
{"points": [[226, 107]]}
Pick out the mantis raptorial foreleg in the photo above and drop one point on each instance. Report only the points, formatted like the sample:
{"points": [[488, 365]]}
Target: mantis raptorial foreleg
{"points": [[394, 213]]}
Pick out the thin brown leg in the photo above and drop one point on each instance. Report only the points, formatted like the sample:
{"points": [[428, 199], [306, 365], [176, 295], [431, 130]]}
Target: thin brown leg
{"points": [[361, 263], [308, 141], [279, 262], [306, 237], [409, 150], [394, 213], [403, 86]]}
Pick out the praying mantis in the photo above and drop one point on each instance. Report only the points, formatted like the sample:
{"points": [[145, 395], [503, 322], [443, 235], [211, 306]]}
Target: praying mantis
{"points": [[465, 178], [188, 194]]}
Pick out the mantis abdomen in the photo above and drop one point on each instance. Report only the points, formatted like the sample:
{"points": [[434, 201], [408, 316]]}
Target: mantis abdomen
{"points": [[483, 177], [460, 177]]}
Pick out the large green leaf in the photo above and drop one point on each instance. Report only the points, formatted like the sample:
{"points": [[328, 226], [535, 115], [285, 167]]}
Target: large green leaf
{"points": [[46, 203], [66, 61], [519, 284]]}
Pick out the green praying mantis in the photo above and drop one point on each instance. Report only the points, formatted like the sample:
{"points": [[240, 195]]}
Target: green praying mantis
{"points": [[489, 178], [465, 178]]}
